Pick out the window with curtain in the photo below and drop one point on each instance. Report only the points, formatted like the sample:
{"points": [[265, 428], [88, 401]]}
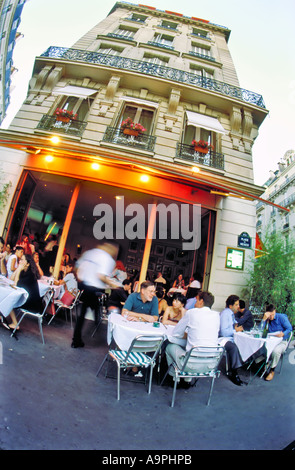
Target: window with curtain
{"points": [[79, 106], [139, 114]]}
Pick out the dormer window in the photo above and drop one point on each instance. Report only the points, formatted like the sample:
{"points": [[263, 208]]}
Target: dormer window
{"points": [[169, 25]]}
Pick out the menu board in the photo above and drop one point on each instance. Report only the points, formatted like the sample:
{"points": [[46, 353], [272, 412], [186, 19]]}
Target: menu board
{"points": [[235, 259]]}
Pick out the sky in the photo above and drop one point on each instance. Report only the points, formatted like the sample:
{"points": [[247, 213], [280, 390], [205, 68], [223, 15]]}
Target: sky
{"points": [[261, 44]]}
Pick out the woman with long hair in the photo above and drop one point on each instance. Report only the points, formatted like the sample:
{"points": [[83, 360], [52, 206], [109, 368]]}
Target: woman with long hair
{"points": [[26, 276]]}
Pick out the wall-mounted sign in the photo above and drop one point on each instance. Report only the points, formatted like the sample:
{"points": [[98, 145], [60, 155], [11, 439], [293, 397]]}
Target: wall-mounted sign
{"points": [[235, 259], [244, 240]]}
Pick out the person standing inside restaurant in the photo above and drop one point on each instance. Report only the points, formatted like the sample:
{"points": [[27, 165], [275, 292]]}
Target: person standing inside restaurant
{"points": [[143, 305], [228, 326], [94, 270], [279, 324]]}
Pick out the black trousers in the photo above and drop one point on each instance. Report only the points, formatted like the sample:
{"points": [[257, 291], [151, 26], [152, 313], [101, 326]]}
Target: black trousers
{"points": [[90, 298], [233, 353]]}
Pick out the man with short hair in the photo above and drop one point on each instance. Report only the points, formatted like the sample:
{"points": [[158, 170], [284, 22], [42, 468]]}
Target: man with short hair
{"points": [[200, 327], [143, 305], [119, 296], [228, 326], [277, 323], [244, 317]]}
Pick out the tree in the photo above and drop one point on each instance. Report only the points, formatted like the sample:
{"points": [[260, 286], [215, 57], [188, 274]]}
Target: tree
{"points": [[272, 277]]}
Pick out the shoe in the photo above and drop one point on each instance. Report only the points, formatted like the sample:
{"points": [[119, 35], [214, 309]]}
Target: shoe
{"points": [[270, 376], [236, 380], [138, 374], [77, 344]]}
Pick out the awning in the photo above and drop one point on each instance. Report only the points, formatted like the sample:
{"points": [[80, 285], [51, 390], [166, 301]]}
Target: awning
{"points": [[205, 122], [77, 91], [130, 99]]}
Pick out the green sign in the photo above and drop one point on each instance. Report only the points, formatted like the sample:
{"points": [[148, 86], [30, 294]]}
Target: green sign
{"points": [[235, 259]]}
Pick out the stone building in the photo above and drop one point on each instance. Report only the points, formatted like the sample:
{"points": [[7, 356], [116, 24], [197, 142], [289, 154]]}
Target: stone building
{"points": [[174, 75]]}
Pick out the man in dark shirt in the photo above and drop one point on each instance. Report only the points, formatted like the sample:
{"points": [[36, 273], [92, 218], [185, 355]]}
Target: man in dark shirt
{"points": [[119, 296], [244, 317]]}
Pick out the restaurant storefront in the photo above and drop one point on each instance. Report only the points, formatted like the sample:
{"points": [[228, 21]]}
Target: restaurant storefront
{"points": [[81, 203]]}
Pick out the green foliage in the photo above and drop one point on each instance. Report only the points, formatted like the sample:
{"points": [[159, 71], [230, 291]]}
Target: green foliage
{"points": [[4, 193], [272, 279]]}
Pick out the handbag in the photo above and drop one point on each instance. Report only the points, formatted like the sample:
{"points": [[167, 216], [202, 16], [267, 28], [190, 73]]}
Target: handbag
{"points": [[67, 298]]}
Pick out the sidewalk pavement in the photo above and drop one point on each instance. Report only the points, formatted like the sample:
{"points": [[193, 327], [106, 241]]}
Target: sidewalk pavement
{"points": [[52, 399]]}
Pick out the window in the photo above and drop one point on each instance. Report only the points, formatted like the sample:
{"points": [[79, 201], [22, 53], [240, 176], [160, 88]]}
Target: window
{"points": [[157, 60], [123, 32], [200, 32], [169, 25], [136, 17], [139, 114], [163, 40], [201, 127], [106, 49], [78, 105], [201, 51], [201, 71]]}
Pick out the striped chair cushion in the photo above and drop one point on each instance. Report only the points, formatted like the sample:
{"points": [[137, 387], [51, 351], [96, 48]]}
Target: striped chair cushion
{"points": [[134, 358]]}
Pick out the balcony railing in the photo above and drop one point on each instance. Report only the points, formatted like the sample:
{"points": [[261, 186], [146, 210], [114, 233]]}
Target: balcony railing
{"points": [[49, 123], [161, 71], [211, 159], [117, 136]]}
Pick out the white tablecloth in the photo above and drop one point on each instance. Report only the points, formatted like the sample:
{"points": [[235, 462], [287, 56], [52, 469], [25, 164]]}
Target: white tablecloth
{"points": [[248, 344], [44, 286], [11, 298], [124, 331]]}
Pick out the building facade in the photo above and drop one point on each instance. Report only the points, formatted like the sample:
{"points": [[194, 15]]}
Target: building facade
{"points": [[10, 17], [280, 189], [175, 76]]}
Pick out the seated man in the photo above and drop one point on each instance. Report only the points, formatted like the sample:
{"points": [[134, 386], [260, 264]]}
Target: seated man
{"points": [[119, 296], [200, 327], [244, 317], [277, 323], [228, 326], [143, 305], [69, 282]]}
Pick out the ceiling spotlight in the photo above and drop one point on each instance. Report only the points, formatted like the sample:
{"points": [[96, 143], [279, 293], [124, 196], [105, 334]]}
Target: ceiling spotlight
{"points": [[95, 166], [49, 158], [195, 169], [55, 139], [144, 178]]}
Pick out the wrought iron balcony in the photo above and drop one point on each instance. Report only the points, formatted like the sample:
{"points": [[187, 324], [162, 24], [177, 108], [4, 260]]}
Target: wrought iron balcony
{"points": [[211, 159], [117, 136], [50, 123], [168, 73]]}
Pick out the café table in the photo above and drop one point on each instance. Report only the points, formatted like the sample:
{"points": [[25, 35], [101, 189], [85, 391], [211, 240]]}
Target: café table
{"points": [[10, 296], [123, 331], [44, 286], [249, 344]]}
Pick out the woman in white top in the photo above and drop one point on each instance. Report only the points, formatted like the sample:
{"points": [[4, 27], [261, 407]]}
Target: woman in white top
{"points": [[13, 260]]}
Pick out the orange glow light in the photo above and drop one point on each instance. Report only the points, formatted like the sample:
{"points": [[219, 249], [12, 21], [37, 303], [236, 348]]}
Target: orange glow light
{"points": [[144, 178], [54, 139], [195, 169], [49, 158], [95, 166]]}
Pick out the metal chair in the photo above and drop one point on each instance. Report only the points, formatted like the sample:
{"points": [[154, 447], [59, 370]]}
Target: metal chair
{"points": [[136, 356], [46, 299], [205, 362], [285, 352], [66, 307]]}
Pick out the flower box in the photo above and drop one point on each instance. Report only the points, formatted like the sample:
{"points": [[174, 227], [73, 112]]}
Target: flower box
{"points": [[202, 146], [201, 149], [130, 132]]}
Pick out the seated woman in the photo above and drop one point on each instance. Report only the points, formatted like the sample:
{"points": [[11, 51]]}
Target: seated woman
{"points": [[179, 282], [163, 305], [26, 276], [175, 313]]}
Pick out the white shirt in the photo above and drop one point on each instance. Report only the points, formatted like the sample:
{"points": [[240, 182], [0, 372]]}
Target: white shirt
{"points": [[8, 266], [70, 281], [202, 327], [91, 264]]}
